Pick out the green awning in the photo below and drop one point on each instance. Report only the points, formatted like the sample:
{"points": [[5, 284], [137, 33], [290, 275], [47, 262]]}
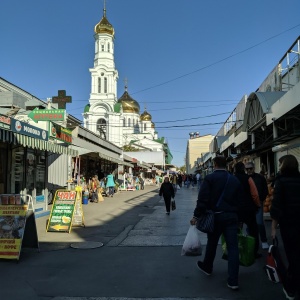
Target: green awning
{"points": [[30, 142]]}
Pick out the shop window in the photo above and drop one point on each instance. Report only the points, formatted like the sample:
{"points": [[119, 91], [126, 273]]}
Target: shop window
{"points": [[3, 168], [40, 172], [17, 171]]}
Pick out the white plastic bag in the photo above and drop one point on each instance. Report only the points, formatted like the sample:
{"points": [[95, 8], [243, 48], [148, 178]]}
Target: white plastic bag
{"points": [[192, 245]]}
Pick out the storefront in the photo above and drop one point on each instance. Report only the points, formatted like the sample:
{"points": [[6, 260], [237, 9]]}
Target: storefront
{"points": [[24, 150]]}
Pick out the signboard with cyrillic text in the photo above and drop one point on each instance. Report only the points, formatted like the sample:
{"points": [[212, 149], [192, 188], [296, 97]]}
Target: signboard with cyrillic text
{"points": [[47, 115], [62, 211], [29, 130], [5, 122]]}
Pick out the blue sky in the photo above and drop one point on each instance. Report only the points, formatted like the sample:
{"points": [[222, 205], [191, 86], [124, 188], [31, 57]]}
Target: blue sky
{"points": [[189, 62]]}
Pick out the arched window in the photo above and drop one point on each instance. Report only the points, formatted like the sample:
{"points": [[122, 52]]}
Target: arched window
{"points": [[99, 85], [105, 85], [108, 47], [102, 47], [101, 128], [145, 127], [124, 122], [129, 122]]}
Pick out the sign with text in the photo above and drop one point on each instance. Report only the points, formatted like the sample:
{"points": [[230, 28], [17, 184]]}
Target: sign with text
{"points": [[12, 226], [62, 211], [47, 115], [60, 133], [27, 129], [5, 122]]}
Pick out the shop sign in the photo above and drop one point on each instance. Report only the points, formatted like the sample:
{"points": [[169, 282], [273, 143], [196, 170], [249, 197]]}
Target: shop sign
{"points": [[62, 211], [47, 115], [5, 122], [27, 129], [60, 133]]}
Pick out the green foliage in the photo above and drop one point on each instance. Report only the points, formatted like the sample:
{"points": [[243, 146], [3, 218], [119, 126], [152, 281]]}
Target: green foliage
{"points": [[129, 148]]}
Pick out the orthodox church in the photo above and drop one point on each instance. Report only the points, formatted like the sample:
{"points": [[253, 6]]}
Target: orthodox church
{"points": [[116, 120]]}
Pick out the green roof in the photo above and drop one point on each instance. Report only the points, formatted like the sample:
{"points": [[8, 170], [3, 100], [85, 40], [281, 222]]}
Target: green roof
{"points": [[87, 108], [117, 107]]}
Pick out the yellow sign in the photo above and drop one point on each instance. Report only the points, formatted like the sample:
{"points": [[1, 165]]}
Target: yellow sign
{"points": [[12, 226]]}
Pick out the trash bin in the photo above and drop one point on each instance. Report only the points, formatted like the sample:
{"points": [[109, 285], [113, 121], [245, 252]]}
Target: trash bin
{"points": [[85, 199]]}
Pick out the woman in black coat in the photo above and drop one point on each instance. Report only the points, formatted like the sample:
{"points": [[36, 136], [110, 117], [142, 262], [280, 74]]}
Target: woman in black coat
{"points": [[285, 211], [167, 191]]}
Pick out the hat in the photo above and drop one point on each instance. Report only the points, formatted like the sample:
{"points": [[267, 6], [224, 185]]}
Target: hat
{"points": [[249, 165]]}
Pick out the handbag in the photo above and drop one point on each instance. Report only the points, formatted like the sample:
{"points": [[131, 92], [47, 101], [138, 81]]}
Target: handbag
{"points": [[275, 267], [207, 220], [192, 244], [173, 204], [246, 244]]}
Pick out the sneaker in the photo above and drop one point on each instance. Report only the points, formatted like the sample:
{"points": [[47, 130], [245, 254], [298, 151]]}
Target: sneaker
{"points": [[233, 287], [167, 213], [290, 296], [201, 267], [264, 245]]}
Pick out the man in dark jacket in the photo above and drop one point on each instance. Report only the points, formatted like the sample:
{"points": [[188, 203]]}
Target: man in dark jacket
{"points": [[226, 218], [262, 188], [167, 191]]}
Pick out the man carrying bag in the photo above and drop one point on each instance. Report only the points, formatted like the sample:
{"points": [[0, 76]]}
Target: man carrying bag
{"points": [[213, 187]]}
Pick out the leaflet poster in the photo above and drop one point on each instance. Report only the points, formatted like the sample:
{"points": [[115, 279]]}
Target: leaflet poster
{"points": [[12, 225]]}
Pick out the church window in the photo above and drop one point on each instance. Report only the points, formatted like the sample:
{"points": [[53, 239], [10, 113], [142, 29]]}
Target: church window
{"points": [[101, 128], [102, 47], [105, 85], [145, 127], [129, 122], [108, 47], [99, 85], [124, 122]]}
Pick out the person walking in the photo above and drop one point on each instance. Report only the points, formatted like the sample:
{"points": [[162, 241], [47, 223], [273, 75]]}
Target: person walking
{"points": [[110, 184], [262, 188], [94, 185], [167, 191], [220, 185], [285, 211], [198, 178], [142, 182], [248, 204]]}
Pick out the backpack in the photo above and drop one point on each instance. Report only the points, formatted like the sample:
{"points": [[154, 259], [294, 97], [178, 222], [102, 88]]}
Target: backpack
{"points": [[275, 267]]}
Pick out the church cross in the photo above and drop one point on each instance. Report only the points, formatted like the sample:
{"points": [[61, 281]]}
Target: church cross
{"points": [[62, 99]]}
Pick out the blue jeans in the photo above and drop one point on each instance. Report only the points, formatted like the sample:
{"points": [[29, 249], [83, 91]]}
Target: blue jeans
{"points": [[261, 224], [226, 223], [198, 184]]}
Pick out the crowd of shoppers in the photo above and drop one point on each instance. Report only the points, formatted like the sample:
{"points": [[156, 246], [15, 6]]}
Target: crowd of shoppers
{"points": [[241, 196]]}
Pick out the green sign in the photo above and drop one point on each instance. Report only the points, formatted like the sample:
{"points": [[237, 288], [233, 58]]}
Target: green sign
{"points": [[60, 133], [47, 115], [62, 211]]}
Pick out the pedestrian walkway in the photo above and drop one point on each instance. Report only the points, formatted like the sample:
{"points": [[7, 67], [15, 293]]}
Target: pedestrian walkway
{"points": [[140, 257]]}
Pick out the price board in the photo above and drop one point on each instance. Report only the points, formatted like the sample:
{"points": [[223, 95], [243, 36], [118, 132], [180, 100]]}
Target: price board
{"points": [[78, 219], [62, 211]]}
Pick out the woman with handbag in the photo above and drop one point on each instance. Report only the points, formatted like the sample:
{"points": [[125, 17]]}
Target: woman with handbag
{"points": [[285, 211]]}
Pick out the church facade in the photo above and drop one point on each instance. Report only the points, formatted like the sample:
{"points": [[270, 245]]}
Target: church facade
{"points": [[119, 121]]}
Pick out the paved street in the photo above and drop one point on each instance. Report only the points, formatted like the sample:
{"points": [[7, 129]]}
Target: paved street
{"points": [[140, 257]]}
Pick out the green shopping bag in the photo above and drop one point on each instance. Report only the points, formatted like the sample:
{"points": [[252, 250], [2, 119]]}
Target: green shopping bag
{"points": [[246, 249]]}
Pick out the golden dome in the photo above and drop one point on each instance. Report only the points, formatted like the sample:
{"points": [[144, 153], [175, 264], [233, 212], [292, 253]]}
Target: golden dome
{"points": [[129, 105], [104, 26], [145, 116]]}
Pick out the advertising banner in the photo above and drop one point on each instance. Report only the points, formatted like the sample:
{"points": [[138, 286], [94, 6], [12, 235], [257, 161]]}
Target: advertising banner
{"points": [[62, 211], [29, 130]]}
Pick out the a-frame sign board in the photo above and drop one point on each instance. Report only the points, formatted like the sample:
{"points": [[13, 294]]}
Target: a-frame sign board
{"points": [[18, 229], [66, 211]]}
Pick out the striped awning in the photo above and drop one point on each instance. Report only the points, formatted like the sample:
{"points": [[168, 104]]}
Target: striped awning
{"points": [[30, 142]]}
